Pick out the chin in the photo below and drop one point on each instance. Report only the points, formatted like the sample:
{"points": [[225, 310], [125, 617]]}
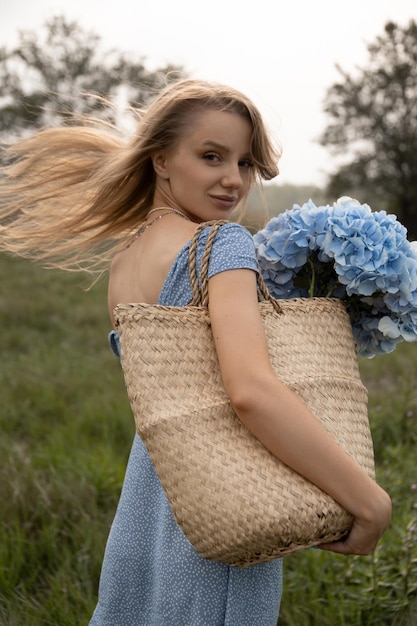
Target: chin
{"points": [[220, 214]]}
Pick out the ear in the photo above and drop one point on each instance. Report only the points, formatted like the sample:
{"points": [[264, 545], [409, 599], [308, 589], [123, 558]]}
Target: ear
{"points": [[159, 162]]}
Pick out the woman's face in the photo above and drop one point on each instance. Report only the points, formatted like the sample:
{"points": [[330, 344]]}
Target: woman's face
{"points": [[209, 170]]}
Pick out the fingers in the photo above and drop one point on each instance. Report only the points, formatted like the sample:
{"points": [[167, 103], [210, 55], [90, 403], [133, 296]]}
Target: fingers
{"points": [[361, 540]]}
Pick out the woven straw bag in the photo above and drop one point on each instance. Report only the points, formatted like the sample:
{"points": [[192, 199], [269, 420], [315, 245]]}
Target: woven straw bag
{"points": [[234, 500]]}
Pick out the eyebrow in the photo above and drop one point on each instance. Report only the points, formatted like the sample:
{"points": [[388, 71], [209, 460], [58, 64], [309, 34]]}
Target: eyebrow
{"points": [[210, 143], [214, 144]]}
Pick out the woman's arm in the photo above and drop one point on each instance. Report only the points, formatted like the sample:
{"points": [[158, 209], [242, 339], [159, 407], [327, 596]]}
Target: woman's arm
{"points": [[280, 420]]}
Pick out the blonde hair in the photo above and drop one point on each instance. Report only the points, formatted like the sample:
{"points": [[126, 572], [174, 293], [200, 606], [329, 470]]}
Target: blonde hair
{"points": [[70, 194]]}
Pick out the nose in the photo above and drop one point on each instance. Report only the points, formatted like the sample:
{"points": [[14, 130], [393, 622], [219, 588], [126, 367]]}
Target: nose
{"points": [[232, 177]]}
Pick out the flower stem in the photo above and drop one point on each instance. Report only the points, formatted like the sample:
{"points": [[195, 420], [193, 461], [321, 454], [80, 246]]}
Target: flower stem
{"points": [[330, 292], [313, 278]]}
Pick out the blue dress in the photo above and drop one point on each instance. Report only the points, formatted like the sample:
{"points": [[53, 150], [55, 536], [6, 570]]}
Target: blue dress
{"points": [[151, 575]]}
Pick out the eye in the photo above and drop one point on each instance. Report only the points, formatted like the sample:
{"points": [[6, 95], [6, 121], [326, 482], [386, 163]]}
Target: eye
{"points": [[211, 156], [246, 163]]}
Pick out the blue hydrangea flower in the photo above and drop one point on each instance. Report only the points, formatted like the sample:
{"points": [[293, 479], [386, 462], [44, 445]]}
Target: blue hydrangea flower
{"points": [[350, 252]]}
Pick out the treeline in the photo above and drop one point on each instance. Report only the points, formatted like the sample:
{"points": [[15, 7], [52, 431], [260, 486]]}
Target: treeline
{"points": [[371, 112]]}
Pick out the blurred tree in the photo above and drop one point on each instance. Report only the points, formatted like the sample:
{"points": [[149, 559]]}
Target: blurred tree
{"points": [[50, 75], [374, 119]]}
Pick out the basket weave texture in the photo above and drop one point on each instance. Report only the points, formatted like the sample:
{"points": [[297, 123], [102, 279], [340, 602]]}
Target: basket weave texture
{"points": [[235, 501]]}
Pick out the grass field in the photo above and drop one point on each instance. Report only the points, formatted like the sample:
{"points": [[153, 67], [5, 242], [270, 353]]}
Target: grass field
{"points": [[66, 431]]}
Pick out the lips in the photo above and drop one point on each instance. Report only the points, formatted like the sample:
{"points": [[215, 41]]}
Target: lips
{"points": [[225, 201]]}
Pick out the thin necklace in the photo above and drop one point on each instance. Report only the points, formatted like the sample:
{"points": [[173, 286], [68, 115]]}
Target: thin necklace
{"points": [[168, 208], [156, 219]]}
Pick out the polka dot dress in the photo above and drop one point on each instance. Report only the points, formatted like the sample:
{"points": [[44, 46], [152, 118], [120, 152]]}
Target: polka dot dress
{"points": [[151, 575]]}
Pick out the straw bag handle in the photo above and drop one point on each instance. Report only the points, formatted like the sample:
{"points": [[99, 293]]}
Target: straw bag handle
{"points": [[200, 297]]}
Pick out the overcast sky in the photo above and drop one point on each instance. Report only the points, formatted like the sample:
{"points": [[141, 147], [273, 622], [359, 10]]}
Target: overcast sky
{"points": [[282, 54]]}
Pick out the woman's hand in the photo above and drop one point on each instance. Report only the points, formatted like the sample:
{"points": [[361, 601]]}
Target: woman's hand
{"points": [[366, 531]]}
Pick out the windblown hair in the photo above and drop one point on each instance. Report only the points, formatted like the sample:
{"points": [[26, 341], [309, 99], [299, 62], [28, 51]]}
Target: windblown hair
{"points": [[69, 195]]}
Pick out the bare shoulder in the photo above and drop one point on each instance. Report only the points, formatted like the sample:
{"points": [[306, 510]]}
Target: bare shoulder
{"points": [[138, 272]]}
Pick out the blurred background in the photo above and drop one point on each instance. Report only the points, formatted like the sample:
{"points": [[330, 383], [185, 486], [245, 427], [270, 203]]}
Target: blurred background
{"points": [[336, 84]]}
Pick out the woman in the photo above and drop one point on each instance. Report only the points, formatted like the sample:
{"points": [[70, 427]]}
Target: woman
{"points": [[196, 154]]}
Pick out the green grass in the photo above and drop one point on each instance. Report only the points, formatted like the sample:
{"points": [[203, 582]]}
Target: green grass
{"points": [[66, 431], [325, 589]]}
